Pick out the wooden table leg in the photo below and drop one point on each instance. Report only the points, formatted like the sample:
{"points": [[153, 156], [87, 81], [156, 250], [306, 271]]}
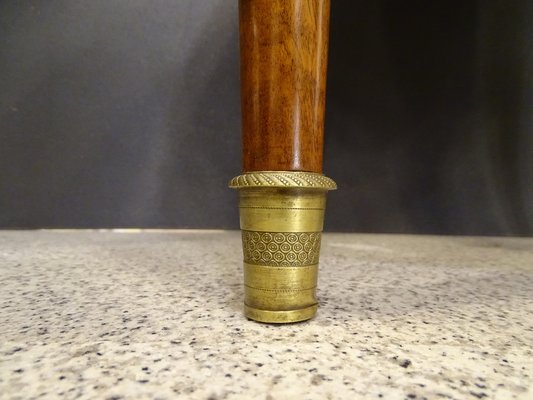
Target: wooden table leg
{"points": [[282, 189]]}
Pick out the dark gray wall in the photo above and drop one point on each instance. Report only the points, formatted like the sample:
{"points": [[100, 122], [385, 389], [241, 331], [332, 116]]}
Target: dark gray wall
{"points": [[118, 113]]}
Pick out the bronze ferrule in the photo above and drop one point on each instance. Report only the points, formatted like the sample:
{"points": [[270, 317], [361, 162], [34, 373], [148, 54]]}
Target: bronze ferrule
{"points": [[281, 218]]}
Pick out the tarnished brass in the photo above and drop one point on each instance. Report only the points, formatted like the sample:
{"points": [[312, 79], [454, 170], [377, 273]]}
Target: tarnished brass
{"points": [[281, 216]]}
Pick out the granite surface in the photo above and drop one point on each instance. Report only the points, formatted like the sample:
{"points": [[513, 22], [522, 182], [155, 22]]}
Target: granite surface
{"points": [[158, 315]]}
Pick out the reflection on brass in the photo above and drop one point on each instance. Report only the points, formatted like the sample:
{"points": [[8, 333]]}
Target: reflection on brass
{"points": [[281, 215]]}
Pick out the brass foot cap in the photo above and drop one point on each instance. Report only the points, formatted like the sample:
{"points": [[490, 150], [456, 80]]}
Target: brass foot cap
{"points": [[280, 317]]}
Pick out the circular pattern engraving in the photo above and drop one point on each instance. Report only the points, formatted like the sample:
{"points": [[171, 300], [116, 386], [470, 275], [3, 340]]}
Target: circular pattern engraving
{"points": [[256, 255], [273, 247], [279, 257], [285, 247], [281, 248], [292, 238], [279, 238], [266, 237]]}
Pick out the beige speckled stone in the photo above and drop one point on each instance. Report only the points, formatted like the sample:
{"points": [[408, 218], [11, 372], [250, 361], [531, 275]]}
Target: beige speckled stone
{"points": [[158, 315]]}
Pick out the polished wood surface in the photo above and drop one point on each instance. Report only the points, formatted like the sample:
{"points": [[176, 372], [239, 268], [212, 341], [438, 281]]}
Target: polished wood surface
{"points": [[283, 83]]}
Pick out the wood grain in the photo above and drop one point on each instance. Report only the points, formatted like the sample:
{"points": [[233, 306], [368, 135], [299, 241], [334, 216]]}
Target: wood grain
{"points": [[283, 83]]}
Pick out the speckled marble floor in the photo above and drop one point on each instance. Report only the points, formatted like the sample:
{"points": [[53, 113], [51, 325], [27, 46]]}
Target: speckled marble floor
{"points": [[158, 315]]}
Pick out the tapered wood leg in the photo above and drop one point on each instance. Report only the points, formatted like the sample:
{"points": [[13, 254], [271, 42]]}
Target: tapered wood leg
{"points": [[283, 82]]}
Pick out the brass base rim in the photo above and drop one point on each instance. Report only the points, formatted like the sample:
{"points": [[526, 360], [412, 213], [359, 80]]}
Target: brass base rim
{"points": [[280, 317]]}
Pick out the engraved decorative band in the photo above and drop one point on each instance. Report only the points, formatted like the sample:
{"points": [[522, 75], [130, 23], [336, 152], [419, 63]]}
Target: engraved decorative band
{"points": [[281, 249], [283, 179]]}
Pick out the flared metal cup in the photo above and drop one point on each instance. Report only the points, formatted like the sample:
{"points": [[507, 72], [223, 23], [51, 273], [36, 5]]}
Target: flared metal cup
{"points": [[281, 218]]}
